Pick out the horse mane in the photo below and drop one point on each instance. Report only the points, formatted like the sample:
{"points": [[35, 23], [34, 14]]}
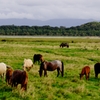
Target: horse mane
{"points": [[44, 61]]}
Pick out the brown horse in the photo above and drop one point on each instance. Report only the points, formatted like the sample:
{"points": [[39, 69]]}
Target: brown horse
{"points": [[51, 66], [85, 71], [9, 72], [64, 45], [37, 57], [20, 77]]}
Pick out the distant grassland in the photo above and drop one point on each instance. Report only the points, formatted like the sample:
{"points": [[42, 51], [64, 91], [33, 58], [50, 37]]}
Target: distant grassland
{"points": [[49, 39], [82, 51]]}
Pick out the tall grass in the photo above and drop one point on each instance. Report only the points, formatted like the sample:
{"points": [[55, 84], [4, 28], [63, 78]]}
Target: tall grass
{"points": [[82, 51]]}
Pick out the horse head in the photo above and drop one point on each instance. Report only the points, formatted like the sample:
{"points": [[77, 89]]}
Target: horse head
{"points": [[81, 75], [41, 68]]}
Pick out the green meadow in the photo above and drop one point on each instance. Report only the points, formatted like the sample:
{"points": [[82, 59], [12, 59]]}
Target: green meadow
{"points": [[82, 51]]}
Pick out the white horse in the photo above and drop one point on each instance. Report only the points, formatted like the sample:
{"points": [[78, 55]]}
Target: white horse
{"points": [[3, 68], [28, 64]]}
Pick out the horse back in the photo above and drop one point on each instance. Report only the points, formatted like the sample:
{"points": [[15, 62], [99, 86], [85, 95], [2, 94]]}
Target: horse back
{"points": [[85, 70], [19, 76], [56, 64], [50, 67], [97, 67]]}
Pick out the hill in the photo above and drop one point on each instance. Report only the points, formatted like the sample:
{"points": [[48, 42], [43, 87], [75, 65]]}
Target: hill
{"points": [[88, 29]]}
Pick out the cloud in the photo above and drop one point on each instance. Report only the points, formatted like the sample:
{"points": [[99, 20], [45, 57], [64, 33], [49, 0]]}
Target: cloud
{"points": [[50, 9]]}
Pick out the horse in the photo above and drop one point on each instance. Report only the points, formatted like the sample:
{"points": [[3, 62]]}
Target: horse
{"points": [[37, 57], [85, 71], [9, 73], [3, 68], [97, 69], [51, 66], [64, 45], [19, 77], [28, 64]]}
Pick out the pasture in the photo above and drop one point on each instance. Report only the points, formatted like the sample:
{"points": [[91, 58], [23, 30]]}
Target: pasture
{"points": [[81, 52]]}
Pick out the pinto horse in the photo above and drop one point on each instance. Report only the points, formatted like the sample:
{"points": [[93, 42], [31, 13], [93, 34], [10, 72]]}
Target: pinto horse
{"points": [[51, 66], [85, 71]]}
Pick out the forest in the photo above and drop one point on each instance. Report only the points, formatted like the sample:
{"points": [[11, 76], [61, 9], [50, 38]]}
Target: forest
{"points": [[87, 29]]}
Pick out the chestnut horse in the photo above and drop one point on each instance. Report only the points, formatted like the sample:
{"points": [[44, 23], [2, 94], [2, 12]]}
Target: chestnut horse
{"points": [[9, 72], [20, 77], [51, 66], [85, 71]]}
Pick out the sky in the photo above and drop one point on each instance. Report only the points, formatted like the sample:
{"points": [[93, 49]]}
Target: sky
{"points": [[50, 9]]}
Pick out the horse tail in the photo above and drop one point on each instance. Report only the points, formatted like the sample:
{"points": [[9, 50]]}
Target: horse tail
{"points": [[62, 69]]}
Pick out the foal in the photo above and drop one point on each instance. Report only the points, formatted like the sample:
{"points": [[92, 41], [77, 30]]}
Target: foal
{"points": [[85, 71]]}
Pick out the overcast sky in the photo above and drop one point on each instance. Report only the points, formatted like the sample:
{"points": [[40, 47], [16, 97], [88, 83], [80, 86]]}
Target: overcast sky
{"points": [[50, 9]]}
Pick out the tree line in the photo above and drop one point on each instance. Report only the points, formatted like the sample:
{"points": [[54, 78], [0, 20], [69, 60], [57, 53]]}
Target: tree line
{"points": [[88, 29]]}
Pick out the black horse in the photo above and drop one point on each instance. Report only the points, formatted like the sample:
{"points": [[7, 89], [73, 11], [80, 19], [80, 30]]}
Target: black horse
{"points": [[97, 69], [51, 66], [37, 58]]}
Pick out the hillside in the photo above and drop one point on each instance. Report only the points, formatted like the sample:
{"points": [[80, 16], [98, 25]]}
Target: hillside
{"points": [[88, 29]]}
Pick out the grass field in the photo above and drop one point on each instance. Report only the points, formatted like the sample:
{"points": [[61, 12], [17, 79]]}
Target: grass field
{"points": [[82, 52]]}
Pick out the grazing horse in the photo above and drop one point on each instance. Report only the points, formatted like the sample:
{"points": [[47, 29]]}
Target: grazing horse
{"points": [[97, 69], [3, 68], [20, 77], [64, 45], [28, 64], [85, 71], [37, 57], [9, 73], [51, 66]]}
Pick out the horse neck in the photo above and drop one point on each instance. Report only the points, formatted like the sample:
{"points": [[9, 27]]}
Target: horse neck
{"points": [[42, 60]]}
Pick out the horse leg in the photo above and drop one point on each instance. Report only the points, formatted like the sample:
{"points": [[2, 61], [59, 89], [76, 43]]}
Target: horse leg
{"points": [[86, 76], [62, 71], [96, 75], [57, 72], [3, 76], [24, 86], [45, 73]]}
